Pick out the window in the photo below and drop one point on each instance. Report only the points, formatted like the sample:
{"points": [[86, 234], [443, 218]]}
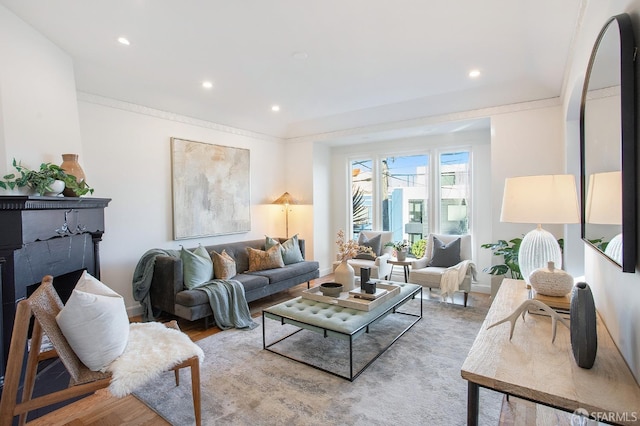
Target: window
{"points": [[454, 192], [361, 196], [405, 187], [394, 193]]}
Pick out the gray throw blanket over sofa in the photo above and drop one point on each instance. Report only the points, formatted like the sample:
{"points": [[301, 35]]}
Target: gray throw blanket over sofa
{"points": [[167, 291]]}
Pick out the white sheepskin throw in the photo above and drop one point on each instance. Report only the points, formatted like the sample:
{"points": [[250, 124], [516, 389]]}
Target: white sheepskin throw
{"points": [[151, 350]]}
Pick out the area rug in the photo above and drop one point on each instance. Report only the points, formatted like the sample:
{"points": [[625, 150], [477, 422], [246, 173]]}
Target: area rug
{"points": [[416, 382]]}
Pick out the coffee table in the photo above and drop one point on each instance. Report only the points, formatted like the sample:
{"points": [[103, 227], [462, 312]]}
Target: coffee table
{"points": [[332, 320]]}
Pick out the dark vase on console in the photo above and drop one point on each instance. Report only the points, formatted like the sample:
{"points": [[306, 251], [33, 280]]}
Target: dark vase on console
{"points": [[584, 340]]}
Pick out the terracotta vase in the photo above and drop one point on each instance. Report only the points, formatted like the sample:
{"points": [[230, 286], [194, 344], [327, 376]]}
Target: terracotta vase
{"points": [[345, 275], [71, 166]]}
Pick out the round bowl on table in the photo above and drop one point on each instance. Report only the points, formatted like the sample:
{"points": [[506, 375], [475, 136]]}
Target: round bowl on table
{"points": [[331, 289]]}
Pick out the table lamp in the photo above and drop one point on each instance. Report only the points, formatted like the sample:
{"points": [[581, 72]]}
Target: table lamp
{"points": [[550, 199], [285, 199], [604, 207]]}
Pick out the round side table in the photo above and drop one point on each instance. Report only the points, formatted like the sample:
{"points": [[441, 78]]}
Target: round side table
{"points": [[405, 265]]}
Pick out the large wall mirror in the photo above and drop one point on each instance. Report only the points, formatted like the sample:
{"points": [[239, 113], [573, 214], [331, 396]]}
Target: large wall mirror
{"points": [[608, 145]]}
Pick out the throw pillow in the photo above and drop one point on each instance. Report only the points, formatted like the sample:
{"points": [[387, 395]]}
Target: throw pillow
{"points": [[445, 255], [224, 267], [260, 260], [94, 321], [290, 249], [197, 267], [374, 243]]}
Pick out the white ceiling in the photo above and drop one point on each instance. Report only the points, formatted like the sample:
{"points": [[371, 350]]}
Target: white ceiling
{"points": [[368, 61]]}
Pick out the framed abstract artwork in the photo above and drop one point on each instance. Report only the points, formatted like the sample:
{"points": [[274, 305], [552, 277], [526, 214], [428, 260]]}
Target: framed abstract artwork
{"points": [[211, 192]]}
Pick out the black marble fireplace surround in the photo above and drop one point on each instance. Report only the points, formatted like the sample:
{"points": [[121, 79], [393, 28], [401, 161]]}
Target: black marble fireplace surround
{"points": [[45, 236]]}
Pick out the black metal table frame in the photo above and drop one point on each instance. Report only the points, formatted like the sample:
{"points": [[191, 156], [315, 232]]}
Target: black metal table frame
{"points": [[351, 377], [473, 403]]}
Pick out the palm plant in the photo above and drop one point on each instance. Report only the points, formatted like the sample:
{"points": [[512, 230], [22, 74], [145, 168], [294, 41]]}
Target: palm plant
{"points": [[360, 213]]}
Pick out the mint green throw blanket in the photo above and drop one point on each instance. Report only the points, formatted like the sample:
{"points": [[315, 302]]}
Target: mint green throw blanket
{"points": [[228, 304], [142, 279]]}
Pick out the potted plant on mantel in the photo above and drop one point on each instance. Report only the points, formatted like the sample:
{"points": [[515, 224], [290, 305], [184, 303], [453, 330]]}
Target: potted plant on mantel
{"points": [[49, 179], [16, 184]]}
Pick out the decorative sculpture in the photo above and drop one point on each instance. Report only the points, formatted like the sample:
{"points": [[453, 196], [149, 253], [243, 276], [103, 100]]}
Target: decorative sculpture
{"points": [[522, 309]]}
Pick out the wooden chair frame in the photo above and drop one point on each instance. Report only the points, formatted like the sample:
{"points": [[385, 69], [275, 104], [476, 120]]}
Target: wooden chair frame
{"points": [[89, 381]]}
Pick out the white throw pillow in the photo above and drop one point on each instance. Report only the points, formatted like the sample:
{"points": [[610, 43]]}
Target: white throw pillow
{"points": [[94, 321]]}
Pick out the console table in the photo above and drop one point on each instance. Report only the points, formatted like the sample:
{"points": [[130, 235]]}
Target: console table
{"points": [[531, 367]]}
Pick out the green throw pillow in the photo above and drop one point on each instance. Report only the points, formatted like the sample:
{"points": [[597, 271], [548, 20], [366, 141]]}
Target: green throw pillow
{"points": [[290, 249], [197, 267]]}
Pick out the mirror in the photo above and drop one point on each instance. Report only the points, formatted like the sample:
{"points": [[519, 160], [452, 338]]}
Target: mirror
{"points": [[608, 145]]}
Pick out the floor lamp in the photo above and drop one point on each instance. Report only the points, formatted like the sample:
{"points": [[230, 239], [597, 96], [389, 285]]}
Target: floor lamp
{"points": [[286, 200], [550, 199]]}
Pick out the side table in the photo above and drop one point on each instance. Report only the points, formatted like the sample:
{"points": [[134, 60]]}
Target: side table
{"points": [[405, 265]]}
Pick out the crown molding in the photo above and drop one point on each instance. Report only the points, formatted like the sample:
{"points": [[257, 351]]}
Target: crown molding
{"points": [[429, 120], [170, 116]]}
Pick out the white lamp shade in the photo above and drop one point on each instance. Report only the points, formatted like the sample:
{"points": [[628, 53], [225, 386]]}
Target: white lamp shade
{"points": [[604, 199], [540, 199]]}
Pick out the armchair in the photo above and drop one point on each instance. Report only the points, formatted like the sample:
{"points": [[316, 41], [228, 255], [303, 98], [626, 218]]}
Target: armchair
{"points": [[450, 274], [379, 267]]}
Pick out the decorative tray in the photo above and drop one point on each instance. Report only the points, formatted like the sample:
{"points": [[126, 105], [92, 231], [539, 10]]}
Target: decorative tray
{"points": [[349, 301]]}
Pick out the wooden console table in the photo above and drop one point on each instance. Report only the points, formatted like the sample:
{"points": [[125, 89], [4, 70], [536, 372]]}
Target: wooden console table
{"points": [[531, 367]]}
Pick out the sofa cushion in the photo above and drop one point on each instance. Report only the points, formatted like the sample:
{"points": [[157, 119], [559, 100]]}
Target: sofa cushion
{"points": [[289, 271], [264, 259], [197, 267], [224, 267], [375, 244], [445, 255], [290, 249]]}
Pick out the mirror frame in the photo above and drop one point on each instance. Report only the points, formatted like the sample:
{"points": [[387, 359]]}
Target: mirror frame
{"points": [[628, 138]]}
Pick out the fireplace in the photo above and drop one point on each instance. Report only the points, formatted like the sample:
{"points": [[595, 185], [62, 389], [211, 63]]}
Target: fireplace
{"points": [[45, 236]]}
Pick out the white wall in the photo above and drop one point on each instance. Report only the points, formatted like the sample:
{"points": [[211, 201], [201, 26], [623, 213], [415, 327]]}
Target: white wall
{"points": [[528, 142], [617, 294], [127, 158], [38, 109]]}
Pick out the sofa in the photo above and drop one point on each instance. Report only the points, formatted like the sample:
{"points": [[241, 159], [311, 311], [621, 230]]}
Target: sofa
{"points": [[168, 292], [378, 266]]}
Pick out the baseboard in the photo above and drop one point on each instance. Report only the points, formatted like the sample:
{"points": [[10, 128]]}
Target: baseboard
{"points": [[133, 311]]}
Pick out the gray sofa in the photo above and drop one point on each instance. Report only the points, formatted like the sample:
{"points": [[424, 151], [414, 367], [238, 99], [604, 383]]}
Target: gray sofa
{"points": [[168, 294]]}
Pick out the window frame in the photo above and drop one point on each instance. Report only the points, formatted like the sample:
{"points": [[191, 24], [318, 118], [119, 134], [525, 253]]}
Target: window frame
{"points": [[431, 204]]}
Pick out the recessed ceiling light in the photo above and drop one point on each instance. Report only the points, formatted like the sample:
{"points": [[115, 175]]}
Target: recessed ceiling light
{"points": [[207, 84], [275, 108], [474, 73], [124, 40], [300, 55]]}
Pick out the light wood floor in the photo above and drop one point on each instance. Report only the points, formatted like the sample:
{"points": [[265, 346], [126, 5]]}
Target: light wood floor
{"points": [[105, 410]]}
